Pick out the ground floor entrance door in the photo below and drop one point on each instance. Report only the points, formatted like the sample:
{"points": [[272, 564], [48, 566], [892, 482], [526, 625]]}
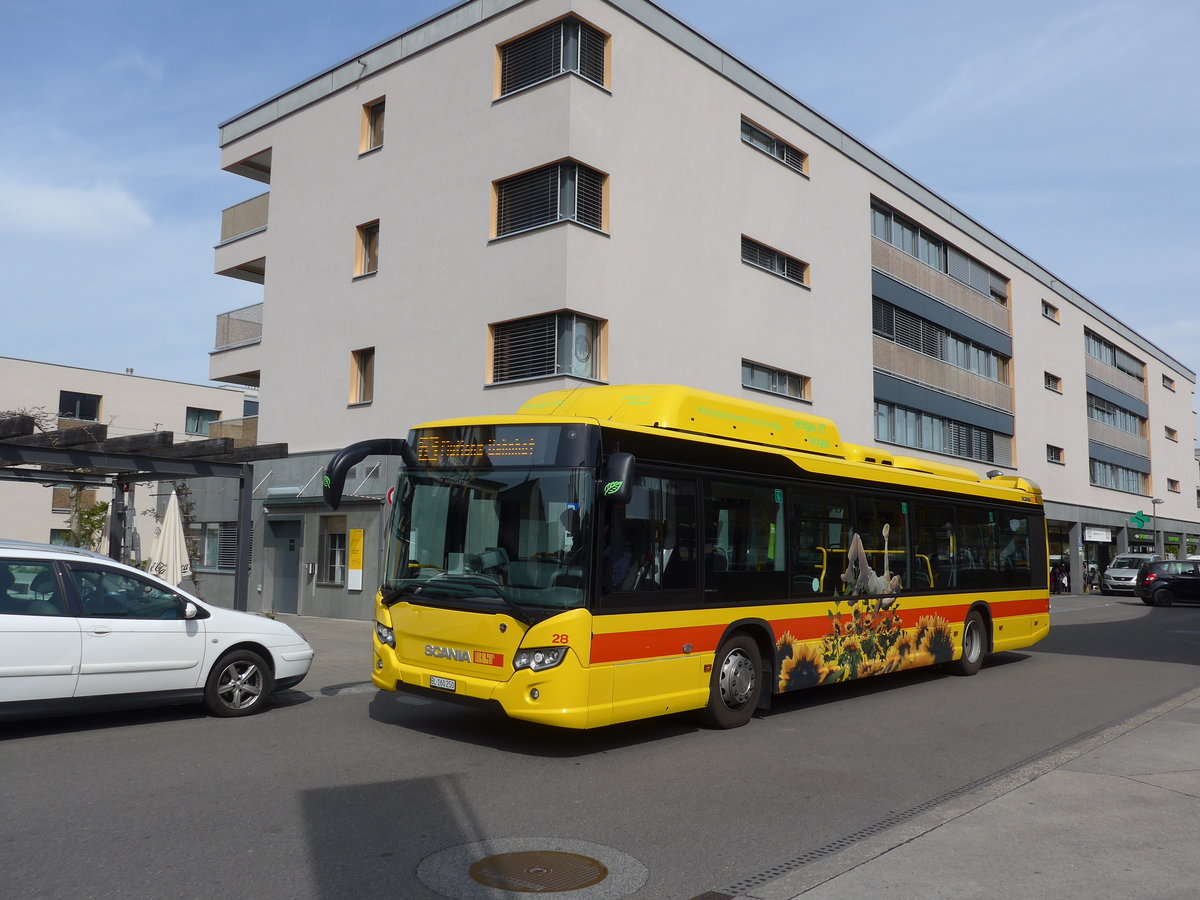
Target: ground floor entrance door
{"points": [[283, 543]]}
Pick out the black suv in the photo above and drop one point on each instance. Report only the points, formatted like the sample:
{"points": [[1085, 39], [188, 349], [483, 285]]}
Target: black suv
{"points": [[1163, 583]]}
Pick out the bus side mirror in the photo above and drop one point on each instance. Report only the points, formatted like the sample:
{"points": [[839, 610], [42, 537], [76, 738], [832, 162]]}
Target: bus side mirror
{"points": [[618, 478], [335, 473]]}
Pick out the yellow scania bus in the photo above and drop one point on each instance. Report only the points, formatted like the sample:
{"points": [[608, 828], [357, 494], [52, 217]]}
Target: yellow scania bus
{"points": [[613, 553]]}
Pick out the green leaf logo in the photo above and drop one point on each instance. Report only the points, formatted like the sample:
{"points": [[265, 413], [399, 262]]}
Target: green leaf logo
{"points": [[612, 487], [326, 481]]}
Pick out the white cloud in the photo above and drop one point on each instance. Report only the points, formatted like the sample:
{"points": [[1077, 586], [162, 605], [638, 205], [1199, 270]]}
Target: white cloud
{"points": [[134, 62], [100, 212]]}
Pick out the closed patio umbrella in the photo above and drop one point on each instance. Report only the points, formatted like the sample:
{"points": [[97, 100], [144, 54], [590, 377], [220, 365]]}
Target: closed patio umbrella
{"points": [[168, 557]]}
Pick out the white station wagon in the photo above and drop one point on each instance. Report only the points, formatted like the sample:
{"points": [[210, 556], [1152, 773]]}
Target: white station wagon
{"points": [[79, 632]]}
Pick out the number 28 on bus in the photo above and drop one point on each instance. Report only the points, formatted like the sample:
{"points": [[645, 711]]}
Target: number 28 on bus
{"points": [[618, 552]]}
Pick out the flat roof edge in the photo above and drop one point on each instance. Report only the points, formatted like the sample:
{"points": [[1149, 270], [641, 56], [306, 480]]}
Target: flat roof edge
{"points": [[424, 34]]}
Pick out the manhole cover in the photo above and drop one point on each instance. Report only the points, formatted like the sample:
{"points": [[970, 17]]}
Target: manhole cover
{"points": [[538, 871], [512, 868]]}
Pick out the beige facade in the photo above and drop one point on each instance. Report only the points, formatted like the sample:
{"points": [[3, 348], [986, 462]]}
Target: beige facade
{"points": [[126, 404], [386, 247]]}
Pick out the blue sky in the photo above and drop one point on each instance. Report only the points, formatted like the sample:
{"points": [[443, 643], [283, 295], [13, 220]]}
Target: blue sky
{"points": [[1071, 129]]}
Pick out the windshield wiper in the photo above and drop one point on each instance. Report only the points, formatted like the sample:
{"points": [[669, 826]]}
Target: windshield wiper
{"points": [[458, 586]]}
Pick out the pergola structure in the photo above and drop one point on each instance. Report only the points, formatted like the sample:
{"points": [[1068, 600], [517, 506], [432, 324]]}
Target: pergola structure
{"points": [[86, 456]]}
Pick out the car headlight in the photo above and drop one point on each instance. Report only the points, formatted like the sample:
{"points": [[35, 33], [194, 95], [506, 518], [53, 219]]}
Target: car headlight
{"points": [[385, 635], [539, 658]]}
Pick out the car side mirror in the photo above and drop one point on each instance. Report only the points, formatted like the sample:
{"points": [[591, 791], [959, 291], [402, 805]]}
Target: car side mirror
{"points": [[618, 478], [189, 609]]}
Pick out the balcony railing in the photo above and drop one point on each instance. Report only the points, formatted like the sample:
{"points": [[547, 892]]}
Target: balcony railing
{"points": [[239, 327], [243, 431], [245, 218]]}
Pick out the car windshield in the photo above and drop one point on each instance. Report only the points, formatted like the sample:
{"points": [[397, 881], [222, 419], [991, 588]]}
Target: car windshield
{"points": [[1128, 562], [515, 537]]}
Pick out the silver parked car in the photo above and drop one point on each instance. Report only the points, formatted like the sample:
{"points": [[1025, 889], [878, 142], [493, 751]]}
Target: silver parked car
{"points": [[1121, 575]]}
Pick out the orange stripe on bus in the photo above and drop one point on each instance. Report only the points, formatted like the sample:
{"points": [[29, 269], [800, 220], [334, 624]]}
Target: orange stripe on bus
{"points": [[626, 646]]}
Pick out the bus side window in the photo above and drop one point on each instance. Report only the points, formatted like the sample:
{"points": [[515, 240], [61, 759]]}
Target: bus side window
{"points": [[651, 541], [933, 548], [820, 530], [872, 514], [745, 544]]}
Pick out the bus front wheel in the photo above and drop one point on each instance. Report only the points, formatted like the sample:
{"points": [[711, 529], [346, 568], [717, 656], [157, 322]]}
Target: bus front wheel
{"points": [[735, 683], [974, 646]]}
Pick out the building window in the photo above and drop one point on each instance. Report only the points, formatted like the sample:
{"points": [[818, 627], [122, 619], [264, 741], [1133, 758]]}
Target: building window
{"points": [[198, 420], [217, 545], [60, 537], [1054, 454], [913, 428], [562, 343], [84, 407], [1114, 356], [362, 375], [904, 235], [1115, 416], [567, 45], [768, 143], [372, 126], [1117, 478], [1168, 382], [775, 381], [1171, 433], [366, 256], [1172, 485], [1050, 311], [333, 550], [1053, 383], [903, 328], [773, 261], [563, 192]]}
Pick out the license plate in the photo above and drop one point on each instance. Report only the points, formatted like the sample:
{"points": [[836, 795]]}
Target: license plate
{"points": [[446, 684]]}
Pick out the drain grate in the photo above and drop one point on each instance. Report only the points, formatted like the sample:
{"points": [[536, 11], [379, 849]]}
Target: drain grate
{"points": [[538, 871]]}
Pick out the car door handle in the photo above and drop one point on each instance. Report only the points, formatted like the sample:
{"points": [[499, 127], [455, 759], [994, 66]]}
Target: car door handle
{"points": [[100, 631]]}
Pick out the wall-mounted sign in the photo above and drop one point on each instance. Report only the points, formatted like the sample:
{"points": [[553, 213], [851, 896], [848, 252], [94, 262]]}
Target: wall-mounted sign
{"points": [[1103, 535], [354, 560]]}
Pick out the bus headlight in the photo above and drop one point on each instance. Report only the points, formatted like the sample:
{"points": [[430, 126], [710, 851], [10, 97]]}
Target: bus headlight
{"points": [[385, 635], [539, 658]]}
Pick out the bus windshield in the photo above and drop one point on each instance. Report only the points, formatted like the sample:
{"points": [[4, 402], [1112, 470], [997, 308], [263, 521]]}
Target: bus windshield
{"points": [[475, 538]]}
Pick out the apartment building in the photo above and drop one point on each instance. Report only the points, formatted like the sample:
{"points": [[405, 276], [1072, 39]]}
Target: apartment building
{"points": [[526, 195], [61, 397]]}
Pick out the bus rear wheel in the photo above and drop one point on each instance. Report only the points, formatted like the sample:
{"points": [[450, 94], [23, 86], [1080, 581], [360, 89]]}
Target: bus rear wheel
{"points": [[974, 646], [735, 683]]}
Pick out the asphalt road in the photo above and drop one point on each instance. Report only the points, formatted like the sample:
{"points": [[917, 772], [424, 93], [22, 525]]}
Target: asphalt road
{"points": [[342, 791]]}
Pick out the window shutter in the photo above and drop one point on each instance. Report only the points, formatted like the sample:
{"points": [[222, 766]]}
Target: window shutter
{"points": [[591, 54], [524, 349], [527, 201], [979, 279], [883, 318], [908, 330], [531, 59], [958, 265], [227, 545], [589, 199]]}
